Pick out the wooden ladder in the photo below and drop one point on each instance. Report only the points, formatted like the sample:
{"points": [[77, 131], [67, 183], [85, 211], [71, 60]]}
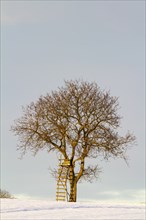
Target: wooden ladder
{"points": [[61, 191]]}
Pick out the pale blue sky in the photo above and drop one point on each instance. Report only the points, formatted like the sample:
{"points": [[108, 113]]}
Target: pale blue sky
{"points": [[44, 43]]}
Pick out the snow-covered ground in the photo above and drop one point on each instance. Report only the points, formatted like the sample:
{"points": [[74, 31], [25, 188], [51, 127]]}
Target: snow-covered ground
{"points": [[37, 209]]}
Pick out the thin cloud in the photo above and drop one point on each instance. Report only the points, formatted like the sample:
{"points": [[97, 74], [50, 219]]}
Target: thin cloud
{"points": [[22, 196], [29, 197], [131, 195]]}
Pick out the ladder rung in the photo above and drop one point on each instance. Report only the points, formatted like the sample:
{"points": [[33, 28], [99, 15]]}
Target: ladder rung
{"points": [[61, 176], [60, 193], [58, 190], [61, 190], [59, 187], [61, 184], [61, 196], [62, 181]]}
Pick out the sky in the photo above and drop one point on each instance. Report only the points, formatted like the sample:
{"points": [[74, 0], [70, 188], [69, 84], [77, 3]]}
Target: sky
{"points": [[44, 43]]}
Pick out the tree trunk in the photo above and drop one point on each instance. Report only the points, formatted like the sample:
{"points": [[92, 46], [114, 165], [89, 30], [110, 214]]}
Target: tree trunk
{"points": [[73, 186], [73, 192]]}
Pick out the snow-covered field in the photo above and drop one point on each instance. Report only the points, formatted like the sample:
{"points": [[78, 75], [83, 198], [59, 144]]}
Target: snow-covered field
{"points": [[37, 209]]}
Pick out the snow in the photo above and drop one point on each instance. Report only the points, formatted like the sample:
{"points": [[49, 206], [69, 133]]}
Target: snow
{"points": [[40, 209]]}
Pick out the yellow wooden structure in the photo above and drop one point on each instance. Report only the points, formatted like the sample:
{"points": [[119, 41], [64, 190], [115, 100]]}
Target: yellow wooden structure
{"points": [[63, 173]]}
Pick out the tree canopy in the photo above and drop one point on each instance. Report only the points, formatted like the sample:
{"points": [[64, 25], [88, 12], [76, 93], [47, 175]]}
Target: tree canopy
{"points": [[78, 120]]}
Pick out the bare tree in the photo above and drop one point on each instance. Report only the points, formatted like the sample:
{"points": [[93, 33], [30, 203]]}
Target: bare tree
{"points": [[5, 194], [78, 120]]}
